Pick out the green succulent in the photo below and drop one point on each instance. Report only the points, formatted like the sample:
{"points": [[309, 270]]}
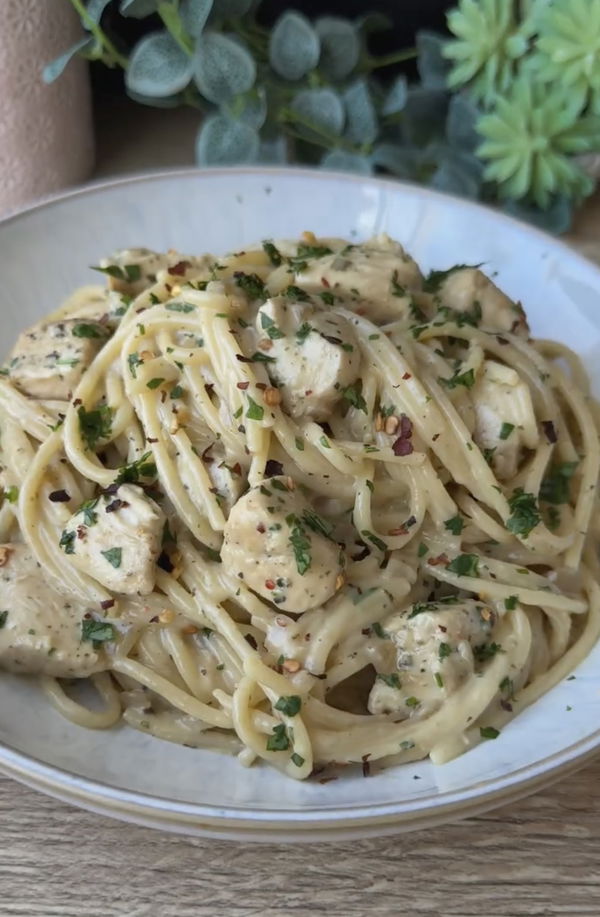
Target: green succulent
{"points": [[568, 49], [530, 139], [490, 40]]}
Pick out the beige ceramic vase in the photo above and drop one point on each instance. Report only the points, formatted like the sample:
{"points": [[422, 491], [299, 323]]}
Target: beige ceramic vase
{"points": [[46, 134]]}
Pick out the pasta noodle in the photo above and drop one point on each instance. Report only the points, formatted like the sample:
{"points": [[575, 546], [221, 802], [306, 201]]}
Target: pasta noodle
{"points": [[299, 502]]}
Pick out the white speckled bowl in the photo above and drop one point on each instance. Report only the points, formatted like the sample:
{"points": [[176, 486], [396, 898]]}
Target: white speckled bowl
{"points": [[44, 253]]}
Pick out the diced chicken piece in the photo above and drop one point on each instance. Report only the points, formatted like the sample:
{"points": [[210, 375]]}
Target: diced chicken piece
{"points": [[436, 646], [275, 543], [136, 269], [375, 279], [469, 288], [40, 629], [315, 355], [117, 540], [504, 417], [49, 360]]}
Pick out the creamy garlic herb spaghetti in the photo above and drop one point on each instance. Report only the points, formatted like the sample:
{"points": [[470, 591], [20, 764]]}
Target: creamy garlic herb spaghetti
{"points": [[299, 502]]}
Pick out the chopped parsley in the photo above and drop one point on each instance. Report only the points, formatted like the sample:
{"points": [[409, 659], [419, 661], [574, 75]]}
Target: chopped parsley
{"points": [[525, 514], [353, 394], [510, 602], [488, 454], [412, 701], [435, 279], [317, 523], [555, 487], [444, 650], [268, 325], [299, 444], [328, 298], [296, 293], [507, 686], [97, 631], [144, 467], [489, 732], [113, 556], [438, 679], [297, 759], [273, 253], [133, 361], [303, 331], [381, 545], [11, 494], [259, 357], [422, 551], [67, 542], [289, 705], [325, 442], [95, 425], [87, 510], [255, 411], [180, 307], [506, 429], [455, 524], [251, 284], [486, 651], [464, 565], [129, 272], [379, 631], [279, 740], [154, 383], [396, 288], [392, 680], [467, 379], [86, 330], [300, 543], [3, 618], [312, 251], [177, 392]]}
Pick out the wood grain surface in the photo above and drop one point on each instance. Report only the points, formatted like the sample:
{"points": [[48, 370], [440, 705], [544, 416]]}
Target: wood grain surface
{"points": [[536, 858]]}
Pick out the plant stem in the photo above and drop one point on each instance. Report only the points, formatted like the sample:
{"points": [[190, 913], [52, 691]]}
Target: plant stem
{"points": [[174, 26], [114, 56], [372, 63]]}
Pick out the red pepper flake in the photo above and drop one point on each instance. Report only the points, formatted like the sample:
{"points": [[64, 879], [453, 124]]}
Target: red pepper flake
{"points": [[402, 447], [108, 603], [506, 706], [366, 766], [435, 437], [308, 392], [550, 431], [269, 584], [260, 528], [400, 531], [273, 468], [178, 270], [261, 385], [168, 287], [243, 385], [151, 439], [440, 559], [236, 469], [366, 631], [407, 376], [325, 282], [59, 496], [77, 402], [81, 531]]}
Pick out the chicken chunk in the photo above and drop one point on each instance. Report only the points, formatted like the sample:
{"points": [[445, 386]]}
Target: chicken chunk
{"points": [[315, 355], [469, 288], [41, 631], [133, 270], [116, 538], [436, 646], [505, 421], [375, 279], [278, 545], [49, 360]]}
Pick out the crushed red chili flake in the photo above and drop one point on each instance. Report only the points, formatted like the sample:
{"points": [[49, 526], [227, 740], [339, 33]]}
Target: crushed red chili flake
{"points": [[261, 385], [59, 496], [115, 505], [403, 445], [81, 531], [437, 561], [407, 376], [108, 603], [269, 584], [243, 385], [325, 282], [206, 458], [151, 439], [366, 766], [402, 530], [77, 402], [178, 270], [273, 468], [250, 639], [550, 431], [435, 437], [236, 469], [260, 528], [506, 706]]}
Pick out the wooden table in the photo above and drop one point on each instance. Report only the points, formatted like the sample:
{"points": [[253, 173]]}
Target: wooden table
{"points": [[535, 858]]}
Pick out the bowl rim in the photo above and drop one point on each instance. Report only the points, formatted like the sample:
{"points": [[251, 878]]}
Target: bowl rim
{"points": [[269, 824]]}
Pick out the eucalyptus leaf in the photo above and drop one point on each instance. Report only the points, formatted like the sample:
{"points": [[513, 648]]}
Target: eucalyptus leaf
{"points": [[138, 9], [222, 68], [401, 161], [154, 102], [396, 97], [556, 219], [253, 107], [340, 46], [320, 109], [361, 119], [274, 151], [294, 46], [94, 9], [158, 66], [461, 129], [194, 14], [225, 142], [54, 69], [432, 66], [231, 9], [424, 114], [342, 161], [458, 172]]}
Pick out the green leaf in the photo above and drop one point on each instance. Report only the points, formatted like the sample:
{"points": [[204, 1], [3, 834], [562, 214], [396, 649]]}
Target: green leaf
{"points": [[510, 603], [392, 680], [289, 704], [113, 556], [464, 565], [97, 631], [138, 9], [506, 429], [88, 330], [94, 9], [251, 284], [254, 107], [158, 66], [297, 759], [317, 523], [294, 46], [340, 161], [255, 411], [194, 14], [401, 161], [432, 66], [11, 493], [467, 379], [361, 120], [457, 172], [353, 394], [525, 514], [54, 69], [144, 467], [486, 651], [222, 141], [319, 108], [340, 46], [300, 543], [424, 115], [489, 732], [67, 542], [222, 68], [455, 524], [555, 487], [461, 130], [396, 97], [95, 425], [279, 740]]}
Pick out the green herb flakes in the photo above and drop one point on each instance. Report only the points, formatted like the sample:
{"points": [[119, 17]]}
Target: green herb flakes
{"points": [[95, 425], [279, 740], [467, 379], [464, 565], [303, 331], [506, 429], [525, 514], [97, 632], [255, 411], [510, 602], [455, 524], [87, 330], [268, 325], [375, 540], [273, 253], [113, 556], [297, 759], [3, 618], [352, 394], [489, 732], [67, 542], [154, 383], [251, 284], [444, 650], [392, 680], [289, 705], [11, 494]]}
